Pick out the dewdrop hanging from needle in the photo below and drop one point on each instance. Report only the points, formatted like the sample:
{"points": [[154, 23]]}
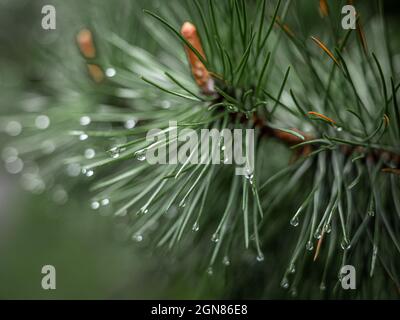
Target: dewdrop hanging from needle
{"points": [[200, 73]]}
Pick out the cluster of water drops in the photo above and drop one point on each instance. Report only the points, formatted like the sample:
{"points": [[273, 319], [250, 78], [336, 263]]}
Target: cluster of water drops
{"points": [[10, 155], [87, 172], [97, 203]]}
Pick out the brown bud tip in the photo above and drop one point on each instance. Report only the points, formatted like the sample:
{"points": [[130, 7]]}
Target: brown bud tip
{"points": [[85, 43], [199, 71], [188, 30], [323, 8], [95, 73]]}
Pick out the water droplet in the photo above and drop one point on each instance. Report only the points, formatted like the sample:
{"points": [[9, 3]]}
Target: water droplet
{"points": [[105, 202], [345, 244], [339, 129], [215, 237], [317, 234], [95, 205], [196, 227], [294, 221], [232, 108], [226, 261], [210, 271], [114, 152], [260, 257], [110, 72], [328, 228], [166, 104], [89, 173], [42, 122], [85, 120], [292, 268], [371, 212], [130, 124], [137, 237], [14, 165], [182, 204], [48, 146], [13, 128], [90, 153], [293, 292], [322, 286], [249, 175], [140, 155], [73, 169], [142, 210], [285, 283], [309, 246], [83, 136]]}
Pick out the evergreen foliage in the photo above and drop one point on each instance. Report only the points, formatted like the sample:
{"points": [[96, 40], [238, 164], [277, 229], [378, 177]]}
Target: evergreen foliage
{"points": [[325, 108]]}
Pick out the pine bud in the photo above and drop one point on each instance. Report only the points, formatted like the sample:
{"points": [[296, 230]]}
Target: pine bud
{"points": [[199, 71], [95, 72], [85, 43], [323, 8]]}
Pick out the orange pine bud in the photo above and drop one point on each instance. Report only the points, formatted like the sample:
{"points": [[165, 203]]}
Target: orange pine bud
{"points": [[95, 72], [85, 43], [323, 8], [199, 71], [321, 116]]}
